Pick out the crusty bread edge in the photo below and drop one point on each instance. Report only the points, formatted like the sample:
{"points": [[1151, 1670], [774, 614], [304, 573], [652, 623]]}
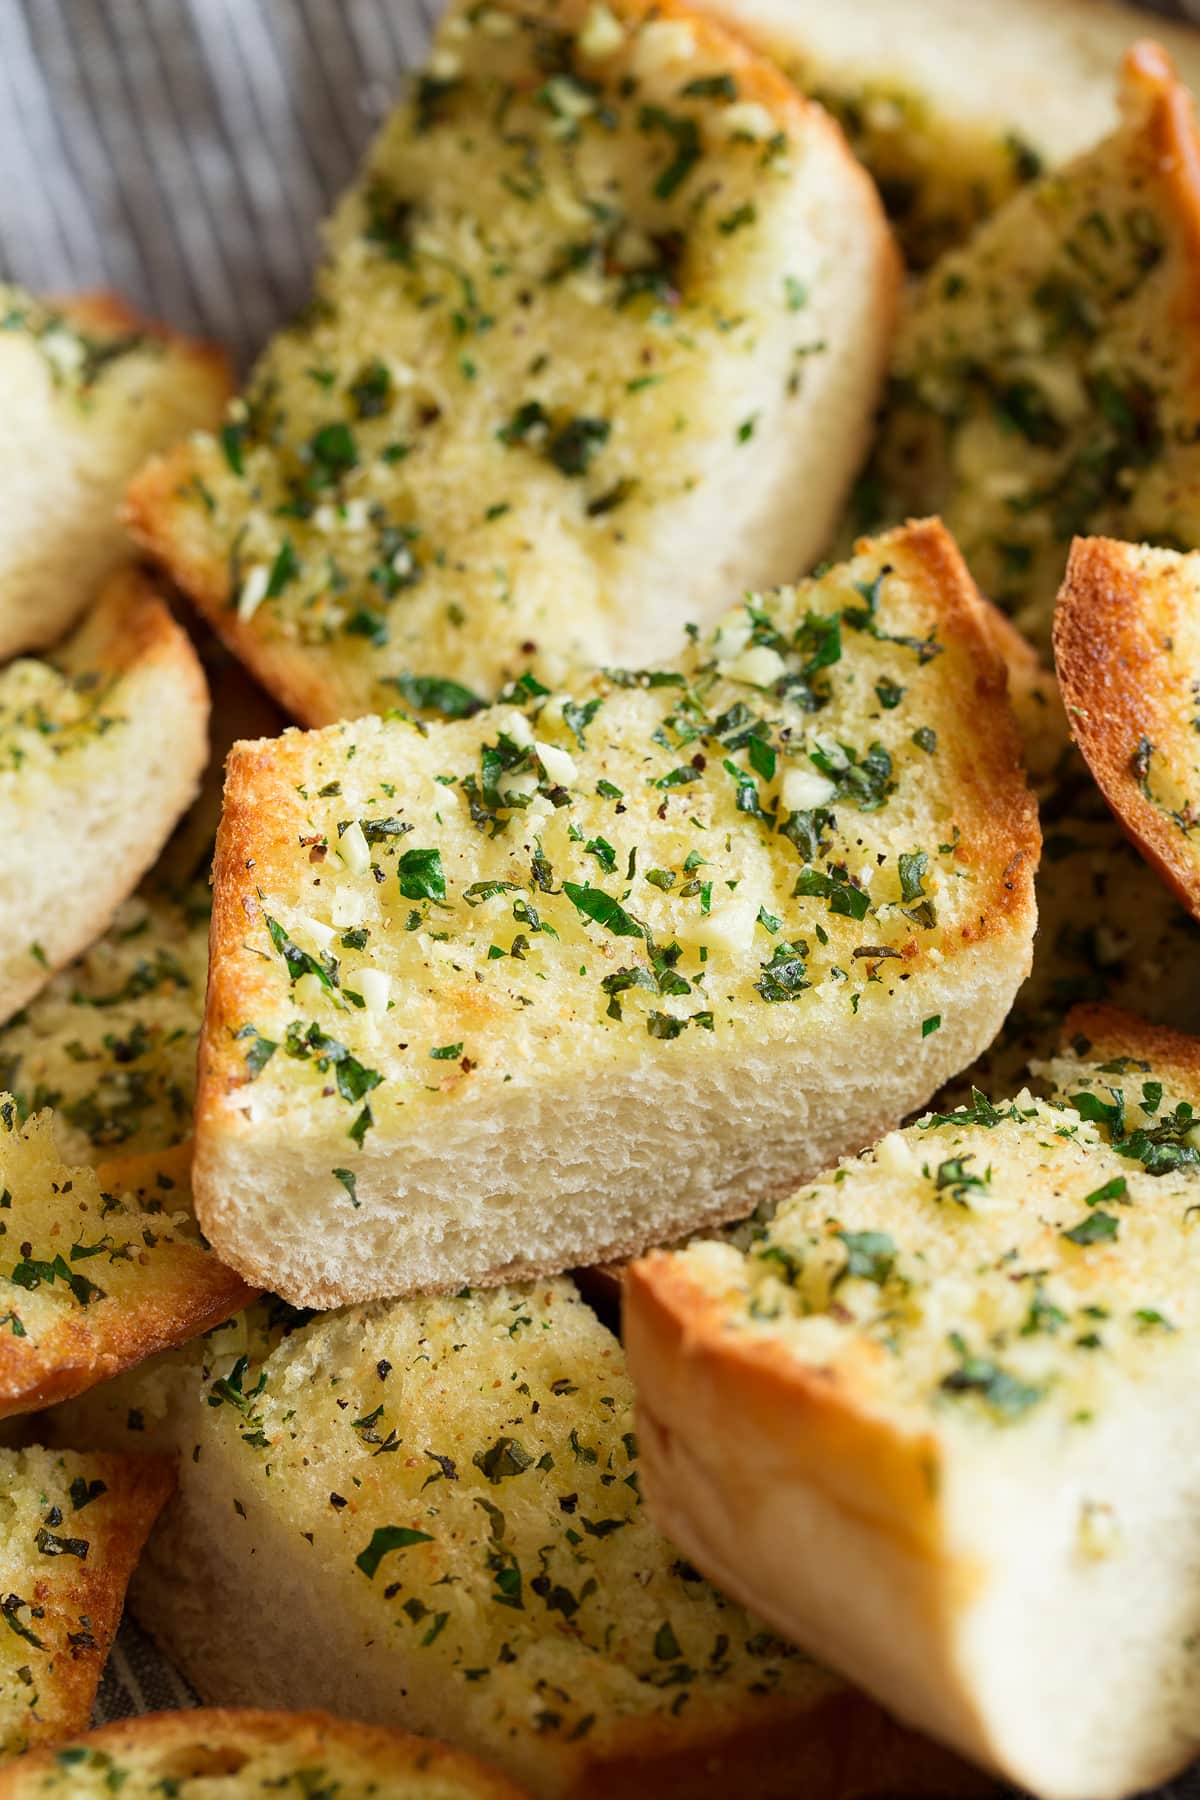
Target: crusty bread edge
{"points": [[1111, 665], [115, 1335], [250, 1730], [130, 632], [721, 1414], [138, 1488]]}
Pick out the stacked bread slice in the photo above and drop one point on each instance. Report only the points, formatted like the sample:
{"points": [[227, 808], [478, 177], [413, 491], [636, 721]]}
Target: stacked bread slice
{"points": [[431, 1508], [595, 347], [1046, 376], [623, 918], [961, 1363]]}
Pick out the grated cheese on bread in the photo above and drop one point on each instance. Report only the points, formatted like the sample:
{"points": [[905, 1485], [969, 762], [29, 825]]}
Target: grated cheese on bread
{"points": [[595, 347], [91, 390], [98, 1268], [700, 927], [101, 750], [110, 1041], [428, 1512], [1127, 648], [962, 1363], [236, 1753], [1046, 378], [71, 1529], [955, 112]]}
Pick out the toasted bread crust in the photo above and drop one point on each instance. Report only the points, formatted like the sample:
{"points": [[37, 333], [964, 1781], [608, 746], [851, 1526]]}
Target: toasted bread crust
{"points": [[1118, 611], [192, 1293], [722, 1408], [216, 1740], [129, 637], [83, 1598]]}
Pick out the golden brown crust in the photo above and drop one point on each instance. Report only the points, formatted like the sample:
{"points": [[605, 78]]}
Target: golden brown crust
{"points": [[210, 1741], [151, 512], [131, 625], [1113, 648], [103, 312], [83, 1598], [189, 1293], [1111, 1033]]}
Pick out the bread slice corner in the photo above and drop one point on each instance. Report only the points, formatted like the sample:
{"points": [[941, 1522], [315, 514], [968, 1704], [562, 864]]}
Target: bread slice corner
{"points": [[640, 382], [71, 1529], [101, 751], [1127, 645], [92, 388], [248, 1752], [961, 1363]]}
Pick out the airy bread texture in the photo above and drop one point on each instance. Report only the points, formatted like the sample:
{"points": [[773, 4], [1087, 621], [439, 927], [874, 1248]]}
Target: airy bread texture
{"points": [[98, 1268], [962, 1364], [702, 928], [596, 347], [101, 751], [90, 391], [1127, 648], [1046, 379], [428, 1511], [958, 109], [110, 1041], [71, 1529], [235, 1754]]}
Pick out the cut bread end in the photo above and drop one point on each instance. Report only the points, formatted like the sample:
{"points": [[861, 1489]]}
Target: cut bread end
{"points": [[1127, 646]]}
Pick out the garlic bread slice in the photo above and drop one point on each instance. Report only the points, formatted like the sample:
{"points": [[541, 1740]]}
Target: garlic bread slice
{"points": [[98, 1267], [101, 750], [963, 1363], [1046, 378], [1127, 649], [427, 1512], [955, 112], [110, 1041], [91, 390], [238, 1753], [595, 347], [71, 1529], [670, 939]]}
